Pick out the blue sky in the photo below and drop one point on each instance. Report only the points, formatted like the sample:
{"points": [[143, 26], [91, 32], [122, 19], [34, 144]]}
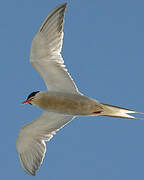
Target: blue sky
{"points": [[104, 52]]}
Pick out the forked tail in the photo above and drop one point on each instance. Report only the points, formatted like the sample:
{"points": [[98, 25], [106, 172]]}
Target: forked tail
{"points": [[115, 111]]}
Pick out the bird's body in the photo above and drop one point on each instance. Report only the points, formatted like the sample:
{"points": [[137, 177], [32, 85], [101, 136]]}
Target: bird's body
{"points": [[67, 103], [62, 102]]}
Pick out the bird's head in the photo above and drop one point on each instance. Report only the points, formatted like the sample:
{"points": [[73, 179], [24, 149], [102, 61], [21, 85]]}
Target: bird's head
{"points": [[30, 97]]}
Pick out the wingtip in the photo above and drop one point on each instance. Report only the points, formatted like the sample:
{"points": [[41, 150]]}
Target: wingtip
{"points": [[65, 4], [33, 174], [62, 5]]}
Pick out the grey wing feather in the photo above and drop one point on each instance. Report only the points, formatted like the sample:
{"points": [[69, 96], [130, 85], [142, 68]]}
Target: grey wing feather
{"points": [[31, 139], [46, 53]]}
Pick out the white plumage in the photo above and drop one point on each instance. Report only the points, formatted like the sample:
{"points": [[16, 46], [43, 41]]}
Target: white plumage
{"points": [[46, 58], [31, 139], [45, 53], [62, 102]]}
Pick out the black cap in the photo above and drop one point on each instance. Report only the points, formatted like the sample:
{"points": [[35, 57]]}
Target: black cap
{"points": [[32, 94]]}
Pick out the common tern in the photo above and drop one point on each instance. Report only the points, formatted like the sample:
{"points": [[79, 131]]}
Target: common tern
{"points": [[62, 102]]}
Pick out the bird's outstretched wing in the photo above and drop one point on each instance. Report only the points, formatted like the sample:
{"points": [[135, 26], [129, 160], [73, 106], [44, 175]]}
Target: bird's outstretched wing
{"points": [[31, 139], [46, 53]]}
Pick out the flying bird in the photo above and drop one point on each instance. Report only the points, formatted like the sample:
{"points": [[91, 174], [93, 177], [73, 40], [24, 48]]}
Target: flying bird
{"points": [[62, 102]]}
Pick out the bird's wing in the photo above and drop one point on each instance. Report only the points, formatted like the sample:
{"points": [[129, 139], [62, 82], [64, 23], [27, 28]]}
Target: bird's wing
{"points": [[46, 53], [31, 139]]}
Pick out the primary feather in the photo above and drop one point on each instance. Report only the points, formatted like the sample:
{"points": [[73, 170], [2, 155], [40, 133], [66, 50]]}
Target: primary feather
{"points": [[31, 139], [46, 53]]}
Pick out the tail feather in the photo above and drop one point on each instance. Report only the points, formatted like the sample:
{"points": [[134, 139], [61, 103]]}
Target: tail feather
{"points": [[115, 111]]}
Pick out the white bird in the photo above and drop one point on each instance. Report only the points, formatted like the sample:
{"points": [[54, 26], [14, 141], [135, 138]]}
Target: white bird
{"points": [[62, 102]]}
